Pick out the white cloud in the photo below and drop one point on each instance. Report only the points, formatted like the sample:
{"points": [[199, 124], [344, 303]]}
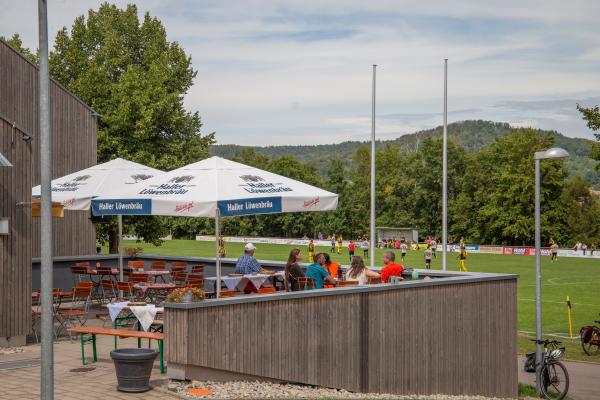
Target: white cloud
{"points": [[272, 72]]}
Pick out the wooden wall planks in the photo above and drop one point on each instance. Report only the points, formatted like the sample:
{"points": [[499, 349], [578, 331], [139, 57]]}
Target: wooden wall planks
{"points": [[451, 339], [74, 147]]}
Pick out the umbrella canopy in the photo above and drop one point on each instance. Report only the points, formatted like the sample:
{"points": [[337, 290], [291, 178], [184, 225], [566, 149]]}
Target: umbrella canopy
{"points": [[199, 189], [75, 191]]}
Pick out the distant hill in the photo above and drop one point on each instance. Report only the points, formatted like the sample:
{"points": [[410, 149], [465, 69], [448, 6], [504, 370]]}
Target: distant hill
{"points": [[472, 135]]}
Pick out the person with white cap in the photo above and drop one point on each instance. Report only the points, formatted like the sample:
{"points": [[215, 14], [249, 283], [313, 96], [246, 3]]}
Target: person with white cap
{"points": [[247, 264]]}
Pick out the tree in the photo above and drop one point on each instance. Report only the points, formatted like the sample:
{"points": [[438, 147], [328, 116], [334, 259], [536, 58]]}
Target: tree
{"points": [[136, 80], [16, 42], [592, 116]]}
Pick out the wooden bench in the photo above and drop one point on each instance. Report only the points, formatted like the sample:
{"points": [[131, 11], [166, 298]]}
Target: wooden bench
{"points": [[122, 333]]}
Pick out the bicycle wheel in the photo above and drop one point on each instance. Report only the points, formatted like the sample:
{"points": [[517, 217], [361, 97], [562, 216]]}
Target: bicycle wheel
{"points": [[555, 380], [593, 346]]}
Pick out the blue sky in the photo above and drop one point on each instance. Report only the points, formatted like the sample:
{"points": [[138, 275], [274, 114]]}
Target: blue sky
{"points": [[299, 72]]}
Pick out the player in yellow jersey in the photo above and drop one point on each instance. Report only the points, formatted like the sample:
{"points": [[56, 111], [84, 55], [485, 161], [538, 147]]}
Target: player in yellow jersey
{"points": [[339, 247], [311, 251], [462, 257]]}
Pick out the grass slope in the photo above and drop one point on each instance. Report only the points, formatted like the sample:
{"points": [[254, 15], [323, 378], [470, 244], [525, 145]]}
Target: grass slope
{"points": [[574, 277]]}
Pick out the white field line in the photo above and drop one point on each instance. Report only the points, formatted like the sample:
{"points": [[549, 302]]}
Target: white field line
{"points": [[552, 282], [561, 335], [563, 302]]}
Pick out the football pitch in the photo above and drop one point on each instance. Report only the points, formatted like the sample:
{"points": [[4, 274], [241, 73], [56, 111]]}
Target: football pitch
{"points": [[575, 277]]}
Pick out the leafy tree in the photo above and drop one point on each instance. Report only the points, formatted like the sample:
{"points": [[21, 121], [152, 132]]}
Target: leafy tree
{"points": [[592, 116], [16, 42], [136, 79]]}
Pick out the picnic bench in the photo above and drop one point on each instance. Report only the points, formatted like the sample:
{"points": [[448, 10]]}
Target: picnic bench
{"points": [[88, 335]]}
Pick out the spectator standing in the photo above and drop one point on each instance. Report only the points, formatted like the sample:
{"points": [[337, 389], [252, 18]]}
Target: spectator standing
{"points": [[592, 249], [584, 248]]}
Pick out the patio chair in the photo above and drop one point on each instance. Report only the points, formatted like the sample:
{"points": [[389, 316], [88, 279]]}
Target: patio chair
{"points": [[306, 283], [178, 265], [179, 277], [347, 283], [129, 292], [158, 265], [196, 279], [373, 281], [267, 290], [109, 291], [136, 264], [138, 277], [227, 293], [197, 269], [80, 272], [77, 313]]}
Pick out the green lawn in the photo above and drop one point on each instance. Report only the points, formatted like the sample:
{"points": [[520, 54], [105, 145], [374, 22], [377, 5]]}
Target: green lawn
{"points": [[574, 277]]}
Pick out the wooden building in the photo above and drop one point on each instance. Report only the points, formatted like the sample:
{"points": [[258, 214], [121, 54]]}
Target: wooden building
{"points": [[73, 127]]}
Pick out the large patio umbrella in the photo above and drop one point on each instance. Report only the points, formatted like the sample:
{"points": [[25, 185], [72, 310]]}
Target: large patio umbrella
{"points": [[76, 191], [215, 188]]}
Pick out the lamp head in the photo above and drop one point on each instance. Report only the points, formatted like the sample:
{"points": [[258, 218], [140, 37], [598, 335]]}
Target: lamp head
{"points": [[554, 152]]}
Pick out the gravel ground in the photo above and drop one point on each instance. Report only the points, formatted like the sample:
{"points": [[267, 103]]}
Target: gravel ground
{"points": [[265, 390]]}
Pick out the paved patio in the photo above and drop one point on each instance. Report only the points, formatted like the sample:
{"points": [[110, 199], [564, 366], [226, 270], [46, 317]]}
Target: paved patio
{"points": [[70, 381]]}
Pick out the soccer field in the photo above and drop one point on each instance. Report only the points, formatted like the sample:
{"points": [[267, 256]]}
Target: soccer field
{"points": [[574, 277]]}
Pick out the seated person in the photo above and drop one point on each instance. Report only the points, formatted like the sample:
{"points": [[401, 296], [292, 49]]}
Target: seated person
{"points": [[247, 264], [318, 273], [391, 268], [358, 271], [332, 267], [293, 271]]}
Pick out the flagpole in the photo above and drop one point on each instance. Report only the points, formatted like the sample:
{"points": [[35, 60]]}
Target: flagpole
{"points": [[373, 238], [445, 172], [46, 270]]}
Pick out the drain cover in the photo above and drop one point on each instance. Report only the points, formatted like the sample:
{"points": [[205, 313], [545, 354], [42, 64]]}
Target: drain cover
{"points": [[82, 369], [31, 362]]}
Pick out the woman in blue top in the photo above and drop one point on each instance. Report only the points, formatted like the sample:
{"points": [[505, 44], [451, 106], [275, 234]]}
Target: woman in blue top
{"points": [[318, 273]]}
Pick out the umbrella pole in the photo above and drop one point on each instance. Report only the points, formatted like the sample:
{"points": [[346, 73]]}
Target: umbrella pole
{"points": [[120, 239], [218, 255]]}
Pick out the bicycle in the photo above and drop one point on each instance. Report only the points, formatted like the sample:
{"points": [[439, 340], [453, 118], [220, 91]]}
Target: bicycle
{"points": [[554, 374], [590, 338]]}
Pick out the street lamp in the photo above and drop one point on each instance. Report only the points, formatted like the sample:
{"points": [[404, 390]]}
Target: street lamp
{"points": [[555, 152]]}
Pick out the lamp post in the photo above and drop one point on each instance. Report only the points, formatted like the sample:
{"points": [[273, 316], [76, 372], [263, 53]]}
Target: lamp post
{"points": [[555, 152]]}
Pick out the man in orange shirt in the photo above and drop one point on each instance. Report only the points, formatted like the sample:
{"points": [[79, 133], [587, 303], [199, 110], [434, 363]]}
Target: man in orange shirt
{"points": [[391, 268]]}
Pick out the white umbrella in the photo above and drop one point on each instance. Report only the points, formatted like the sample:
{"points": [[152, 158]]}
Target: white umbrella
{"points": [[215, 187], [76, 191]]}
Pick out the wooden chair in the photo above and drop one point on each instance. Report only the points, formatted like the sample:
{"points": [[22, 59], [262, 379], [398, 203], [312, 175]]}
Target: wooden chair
{"points": [[197, 269], [267, 290], [373, 281], [77, 313], [85, 285], [179, 277], [306, 283], [138, 277], [178, 265], [127, 289], [109, 291], [227, 293], [195, 280], [158, 265], [79, 272], [136, 264], [347, 283]]}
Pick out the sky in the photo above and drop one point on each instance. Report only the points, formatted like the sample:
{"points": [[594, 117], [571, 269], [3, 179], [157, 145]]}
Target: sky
{"points": [[279, 72]]}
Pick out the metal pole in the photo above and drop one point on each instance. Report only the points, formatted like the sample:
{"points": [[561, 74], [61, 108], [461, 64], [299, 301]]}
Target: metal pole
{"points": [[120, 246], [538, 281], [217, 255], [445, 172], [373, 156], [47, 279]]}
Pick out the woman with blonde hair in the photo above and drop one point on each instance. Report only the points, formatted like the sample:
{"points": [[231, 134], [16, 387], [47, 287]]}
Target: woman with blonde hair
{"points": [[359, 272], [293, 271]]}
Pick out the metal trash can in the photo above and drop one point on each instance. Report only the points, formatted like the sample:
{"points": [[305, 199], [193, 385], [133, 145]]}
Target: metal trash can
{"points": [[133, 368]]}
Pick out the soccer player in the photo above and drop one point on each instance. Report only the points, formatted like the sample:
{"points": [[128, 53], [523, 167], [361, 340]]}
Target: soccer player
{"points": [[351, 248], [462, 257], [311, 251], [403, 248], [554, 251], [339, 246], [433, 245], [333, 243], [427, 253]]}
